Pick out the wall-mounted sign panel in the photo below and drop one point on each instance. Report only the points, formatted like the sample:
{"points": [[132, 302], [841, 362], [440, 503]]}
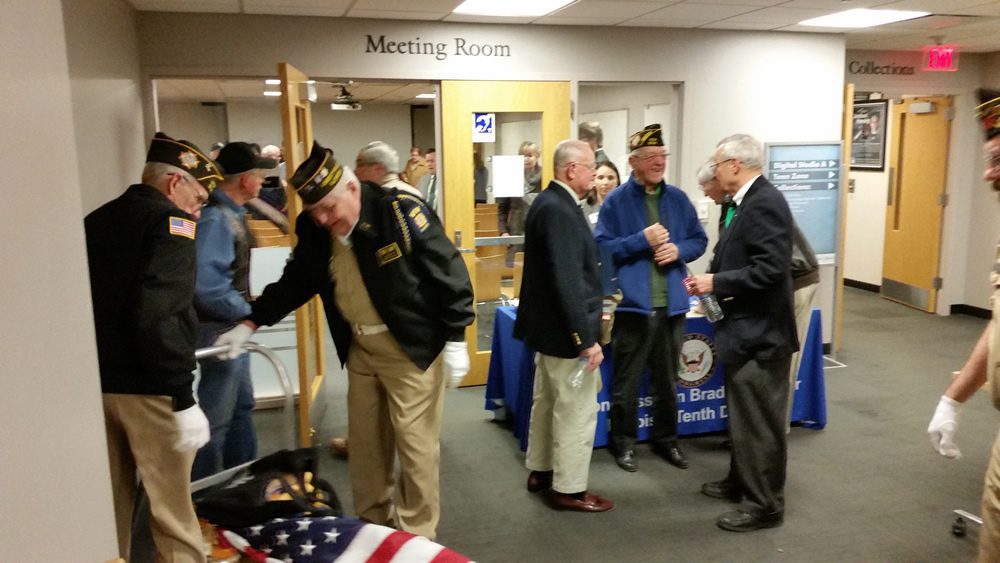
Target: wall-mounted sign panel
{"points": [[809, 175]]}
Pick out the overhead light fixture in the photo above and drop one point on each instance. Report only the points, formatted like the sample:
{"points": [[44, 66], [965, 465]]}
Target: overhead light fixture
{"points": [[510, 8], [272, 81], [345, 106], [272, 94], [863, 17], [430, 96]]}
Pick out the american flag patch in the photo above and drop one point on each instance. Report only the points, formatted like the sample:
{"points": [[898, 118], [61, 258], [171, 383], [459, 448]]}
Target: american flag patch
{"points": [[182, 227]]}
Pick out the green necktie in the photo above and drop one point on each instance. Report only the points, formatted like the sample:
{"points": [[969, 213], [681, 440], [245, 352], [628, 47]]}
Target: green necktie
{"points": [[729, 215], [432, 192]]}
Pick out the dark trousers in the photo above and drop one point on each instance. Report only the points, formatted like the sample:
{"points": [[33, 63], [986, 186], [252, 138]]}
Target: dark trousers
{"points": [[756, 393], [642, 341], [225, 392]]}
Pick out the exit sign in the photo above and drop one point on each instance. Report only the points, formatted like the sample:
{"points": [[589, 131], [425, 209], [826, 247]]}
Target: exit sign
{"points": [[940, 58]]}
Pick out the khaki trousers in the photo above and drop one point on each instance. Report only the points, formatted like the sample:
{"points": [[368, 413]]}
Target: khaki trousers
{"points": [[989, 536], [394, 409], [803, 314], [563, 422], [141, 434]]}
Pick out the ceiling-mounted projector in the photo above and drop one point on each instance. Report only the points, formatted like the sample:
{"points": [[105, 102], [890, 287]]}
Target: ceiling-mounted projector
{"points": [[345, 106]]}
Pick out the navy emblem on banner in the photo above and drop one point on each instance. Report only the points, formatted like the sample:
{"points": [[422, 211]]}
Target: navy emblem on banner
{"points": [[697, 360]]}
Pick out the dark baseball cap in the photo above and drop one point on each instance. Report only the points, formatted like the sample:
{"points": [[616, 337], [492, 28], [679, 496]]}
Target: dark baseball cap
{"points": [[238, 157]]}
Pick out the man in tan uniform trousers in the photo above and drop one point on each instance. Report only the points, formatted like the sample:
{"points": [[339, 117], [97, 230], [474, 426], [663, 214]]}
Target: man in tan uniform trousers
{"points": [[983, 364], [397, 297]]}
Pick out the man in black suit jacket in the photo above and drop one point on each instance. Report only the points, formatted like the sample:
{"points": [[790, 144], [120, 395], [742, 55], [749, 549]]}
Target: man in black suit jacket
{"points": [[756, 339], [559, 316]]}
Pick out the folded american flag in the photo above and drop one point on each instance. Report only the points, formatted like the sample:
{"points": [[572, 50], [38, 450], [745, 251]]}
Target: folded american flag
{"points": [[327, 539]]}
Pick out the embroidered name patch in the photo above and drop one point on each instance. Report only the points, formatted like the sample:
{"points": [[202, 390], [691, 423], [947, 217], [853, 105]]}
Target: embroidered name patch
{"points": [[182, 227], [388, 254]]}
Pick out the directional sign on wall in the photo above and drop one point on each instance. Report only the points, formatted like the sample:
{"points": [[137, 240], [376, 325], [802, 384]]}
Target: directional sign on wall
{"points": [[809, 175]]}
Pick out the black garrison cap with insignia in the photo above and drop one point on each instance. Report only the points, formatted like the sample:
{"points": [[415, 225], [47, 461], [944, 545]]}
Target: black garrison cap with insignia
{"points": [[650, 136], [186, 156], [988, 112], [317, 176]]}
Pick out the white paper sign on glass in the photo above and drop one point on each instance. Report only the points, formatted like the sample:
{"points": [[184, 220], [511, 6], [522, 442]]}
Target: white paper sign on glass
{"points": [[508, 175], [484, 128]]}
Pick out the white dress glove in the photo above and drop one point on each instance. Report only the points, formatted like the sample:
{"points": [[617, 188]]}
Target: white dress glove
{"points": [[943, 427], [456, 363], [192, 429], [234, 338]]}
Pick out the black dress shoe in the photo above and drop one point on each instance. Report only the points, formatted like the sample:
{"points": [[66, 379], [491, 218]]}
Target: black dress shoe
{"points": [[539, 481], [744, 521], [672, 455], [724, 490], [627, 461], [579, 502]]}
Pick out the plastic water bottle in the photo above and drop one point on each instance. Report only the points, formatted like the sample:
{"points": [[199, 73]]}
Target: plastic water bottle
{"points": [[709, 304], [576, 380]]}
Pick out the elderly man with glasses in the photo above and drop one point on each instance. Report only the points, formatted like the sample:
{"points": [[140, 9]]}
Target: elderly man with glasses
{"points": [[650, 230]]}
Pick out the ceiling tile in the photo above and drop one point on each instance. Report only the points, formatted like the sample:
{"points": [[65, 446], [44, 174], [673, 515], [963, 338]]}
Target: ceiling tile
{"points": [[407, 5], [779, 16], [705, 12], [607, 10], [725, 24], [486, 19], [835, 5], [933, 6], [755, 3], [646, 22], [396, 15]]}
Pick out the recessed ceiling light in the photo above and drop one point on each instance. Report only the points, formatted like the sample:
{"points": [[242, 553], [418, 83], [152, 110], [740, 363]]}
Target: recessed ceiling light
{"points": [[268, 93], [272, 81], [430, 96], [862, 17], [510, 8]]}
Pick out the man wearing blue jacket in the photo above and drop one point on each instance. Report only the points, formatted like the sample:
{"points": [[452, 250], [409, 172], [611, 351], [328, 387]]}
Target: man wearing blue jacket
{"points": [[222, 299], [650, 229]]}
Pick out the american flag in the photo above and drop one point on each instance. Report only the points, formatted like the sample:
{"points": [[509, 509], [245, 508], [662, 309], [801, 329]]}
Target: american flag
{"points": [[182, 227], [344, 540]]}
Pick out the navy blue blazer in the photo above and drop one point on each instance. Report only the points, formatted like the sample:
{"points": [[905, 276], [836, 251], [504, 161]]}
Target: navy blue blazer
{"points": [[753, 281], [560, 307]]}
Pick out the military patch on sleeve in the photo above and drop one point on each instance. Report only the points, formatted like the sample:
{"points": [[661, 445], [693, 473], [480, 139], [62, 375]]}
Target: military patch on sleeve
{"points": [[418, 219], [387, 254], [182, 227]]}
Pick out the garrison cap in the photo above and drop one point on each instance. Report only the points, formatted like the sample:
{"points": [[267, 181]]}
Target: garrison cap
{"points": [[317, 176], [650, 136], [988, 112], [186, 156]]}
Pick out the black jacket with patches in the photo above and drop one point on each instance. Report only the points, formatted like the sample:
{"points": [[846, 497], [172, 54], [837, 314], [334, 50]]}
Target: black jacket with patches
{"points": [[142, 283], [422, 292]]}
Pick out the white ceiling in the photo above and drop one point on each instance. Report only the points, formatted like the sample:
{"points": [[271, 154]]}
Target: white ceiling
{"points": [[973, 25]]}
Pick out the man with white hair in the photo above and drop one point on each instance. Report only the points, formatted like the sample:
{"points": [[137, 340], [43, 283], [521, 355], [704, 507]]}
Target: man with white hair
{"points": [[378, 163], [397, 298], [750, 274], [141, 253]]}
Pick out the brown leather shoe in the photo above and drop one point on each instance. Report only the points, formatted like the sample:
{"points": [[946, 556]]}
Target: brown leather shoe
{"points": [[539, 481], [338, 446], [589, 503]]}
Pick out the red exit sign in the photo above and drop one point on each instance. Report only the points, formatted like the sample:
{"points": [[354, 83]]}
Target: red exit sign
{"points": [[940, 58]]}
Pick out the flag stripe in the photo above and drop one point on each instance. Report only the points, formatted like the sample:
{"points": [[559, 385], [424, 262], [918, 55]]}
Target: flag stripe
{"points": [[389, 546], [417, 549]]}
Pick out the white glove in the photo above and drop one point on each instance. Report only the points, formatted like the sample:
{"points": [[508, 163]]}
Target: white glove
{"points": [[943, 427], [235, 338], [192, 429], [456, 363]]}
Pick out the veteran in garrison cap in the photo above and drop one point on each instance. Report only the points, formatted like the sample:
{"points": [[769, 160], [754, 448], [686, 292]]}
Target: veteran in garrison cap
{"points": [[983, 365], [141, 253], [397, 298]]}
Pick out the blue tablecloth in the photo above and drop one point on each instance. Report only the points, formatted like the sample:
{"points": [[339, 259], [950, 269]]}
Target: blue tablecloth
{"points": [[701, 401]]}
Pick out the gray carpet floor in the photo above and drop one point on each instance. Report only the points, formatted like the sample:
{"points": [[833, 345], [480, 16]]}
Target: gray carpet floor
{"points": [[866, 488]]}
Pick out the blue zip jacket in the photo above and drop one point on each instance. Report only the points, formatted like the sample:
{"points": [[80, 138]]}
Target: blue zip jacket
{"points": [[215, 298], [619, 234]]}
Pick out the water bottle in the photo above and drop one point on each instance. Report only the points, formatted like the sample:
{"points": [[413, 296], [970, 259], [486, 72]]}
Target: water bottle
{"points": [[576, 380], [709, 304]]}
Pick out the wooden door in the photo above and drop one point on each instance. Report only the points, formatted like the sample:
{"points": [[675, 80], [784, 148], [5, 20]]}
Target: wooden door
{"points": [[460, 100], [918, 162], [296, 125]]}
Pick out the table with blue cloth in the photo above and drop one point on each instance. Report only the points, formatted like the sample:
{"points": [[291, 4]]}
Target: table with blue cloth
{"points": [[701, 398]]}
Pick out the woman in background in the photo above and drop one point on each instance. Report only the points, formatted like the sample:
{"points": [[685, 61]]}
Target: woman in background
{"points": [[605, 180]]}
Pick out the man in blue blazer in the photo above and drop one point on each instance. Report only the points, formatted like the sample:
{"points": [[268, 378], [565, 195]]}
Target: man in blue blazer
{"points": [[650, 230], [559, 316], [756, 339]]}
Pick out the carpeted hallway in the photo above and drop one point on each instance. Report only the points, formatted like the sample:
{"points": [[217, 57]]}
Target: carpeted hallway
{"points": [[867, 488]]}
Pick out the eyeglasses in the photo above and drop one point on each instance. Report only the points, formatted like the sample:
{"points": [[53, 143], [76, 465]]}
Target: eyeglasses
{"points": [[651, 156], [992, 161], [715, 165], [587, 165]]}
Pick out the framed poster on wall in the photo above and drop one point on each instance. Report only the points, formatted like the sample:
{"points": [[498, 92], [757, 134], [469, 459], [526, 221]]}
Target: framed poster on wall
{"points": [[868, 130]]}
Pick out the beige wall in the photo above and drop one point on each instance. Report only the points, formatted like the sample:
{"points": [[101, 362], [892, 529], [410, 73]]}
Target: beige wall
{"points": [[54, 485], [203, 125], [102, 49]]}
